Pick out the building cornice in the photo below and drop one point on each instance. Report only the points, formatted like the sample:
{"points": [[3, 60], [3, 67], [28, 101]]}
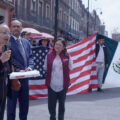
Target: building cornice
{"points": [[7, 4]]}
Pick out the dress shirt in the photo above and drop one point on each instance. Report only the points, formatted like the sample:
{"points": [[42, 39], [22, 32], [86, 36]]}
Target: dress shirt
{"points": [[100, 57]]}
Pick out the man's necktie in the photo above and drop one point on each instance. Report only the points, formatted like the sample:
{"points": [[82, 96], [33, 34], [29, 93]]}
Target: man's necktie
{"points": [[22, 51]]}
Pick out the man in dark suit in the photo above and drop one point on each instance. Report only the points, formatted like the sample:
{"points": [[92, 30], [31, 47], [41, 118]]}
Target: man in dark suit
{"points": [[101, 60], [23, 61]]}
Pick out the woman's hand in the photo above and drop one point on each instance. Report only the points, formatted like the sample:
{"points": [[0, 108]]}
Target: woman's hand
{"points": [[5, 56]]}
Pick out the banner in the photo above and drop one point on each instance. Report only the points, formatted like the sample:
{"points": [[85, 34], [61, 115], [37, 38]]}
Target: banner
{"points": [[113, 75], [83, 76]]}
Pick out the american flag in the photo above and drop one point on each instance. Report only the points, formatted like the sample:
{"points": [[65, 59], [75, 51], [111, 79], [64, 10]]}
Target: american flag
{"points": [[83, 76], [39, 54]]}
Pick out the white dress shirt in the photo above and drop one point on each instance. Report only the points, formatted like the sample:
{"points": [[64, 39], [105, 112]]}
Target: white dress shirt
{"points": [[100, 57]]}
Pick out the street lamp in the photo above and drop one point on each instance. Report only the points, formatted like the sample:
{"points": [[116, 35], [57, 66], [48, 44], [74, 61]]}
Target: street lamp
{"points": [[88, 14], [99, 10], [96, 15]]}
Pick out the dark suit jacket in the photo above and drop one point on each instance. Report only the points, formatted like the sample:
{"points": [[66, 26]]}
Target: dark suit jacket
{"points": [[17, 58], [105, 52]]}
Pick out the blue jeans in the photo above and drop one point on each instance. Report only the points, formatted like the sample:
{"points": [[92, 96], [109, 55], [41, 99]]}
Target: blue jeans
{"points": [[100, 71]]}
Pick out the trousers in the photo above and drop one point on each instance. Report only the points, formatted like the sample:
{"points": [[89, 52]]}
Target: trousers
{"points": [[3, 93], [22, 97], [53, 97], [100, 71]]}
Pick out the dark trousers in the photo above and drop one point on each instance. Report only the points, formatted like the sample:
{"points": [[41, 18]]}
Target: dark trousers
{"points": [[3, 89], [23, 98], [52, 101], [2, 108]]}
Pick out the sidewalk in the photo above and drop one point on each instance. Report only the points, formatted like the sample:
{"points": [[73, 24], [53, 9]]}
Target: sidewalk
{"points": [[89, 106]]}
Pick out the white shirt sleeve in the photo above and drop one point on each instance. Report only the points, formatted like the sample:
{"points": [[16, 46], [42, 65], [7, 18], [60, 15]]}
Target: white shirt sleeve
{"points": [[45, 63], [70, 63]]}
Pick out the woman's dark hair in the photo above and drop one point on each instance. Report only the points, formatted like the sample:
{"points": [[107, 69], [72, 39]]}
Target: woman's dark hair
{"points": [[40, 42], [23, 33], [64, 44]]}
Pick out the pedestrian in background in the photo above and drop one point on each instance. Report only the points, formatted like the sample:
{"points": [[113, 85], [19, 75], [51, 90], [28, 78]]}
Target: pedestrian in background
{"points": [[22, 59], [101, 60], [44, 42], [58, 66], [26, 35]]}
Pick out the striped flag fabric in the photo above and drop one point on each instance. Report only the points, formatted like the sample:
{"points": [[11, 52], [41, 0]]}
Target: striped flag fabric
{"points": [[82, 77]]}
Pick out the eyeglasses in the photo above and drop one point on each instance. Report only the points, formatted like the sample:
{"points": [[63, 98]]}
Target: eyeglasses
{"points": [[6, 33]]}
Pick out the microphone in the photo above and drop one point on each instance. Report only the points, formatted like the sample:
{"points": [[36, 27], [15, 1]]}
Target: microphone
{"points": [[2, 19], [6, 47]]}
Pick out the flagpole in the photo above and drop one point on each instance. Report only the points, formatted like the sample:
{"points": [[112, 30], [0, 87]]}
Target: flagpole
{"points": [[88, 20], [56, 20]]}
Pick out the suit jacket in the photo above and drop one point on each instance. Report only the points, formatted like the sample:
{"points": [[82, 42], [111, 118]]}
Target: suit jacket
{"points": [[17, 59], [105, 52]]}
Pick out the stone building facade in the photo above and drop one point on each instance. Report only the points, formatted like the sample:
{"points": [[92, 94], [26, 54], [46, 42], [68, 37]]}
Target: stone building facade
{"points": [[7, 9], [72, 17], [116, 36]]}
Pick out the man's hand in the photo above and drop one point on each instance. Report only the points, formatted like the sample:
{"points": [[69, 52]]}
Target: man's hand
{"points": [[5, 56], [15, 84], [22, 71], [27, 69]]}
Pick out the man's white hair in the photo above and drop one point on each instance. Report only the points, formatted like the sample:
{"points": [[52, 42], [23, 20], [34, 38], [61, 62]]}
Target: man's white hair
{"points": [[4, 25]]}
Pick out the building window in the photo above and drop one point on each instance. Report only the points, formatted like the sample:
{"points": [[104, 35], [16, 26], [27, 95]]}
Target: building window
{"points": [[24, 3], [40, 8], [47, 11], [78, 27], [60, 14], [64, 17], [73, 4], [67, 19], [72, 23], [33, 5]]}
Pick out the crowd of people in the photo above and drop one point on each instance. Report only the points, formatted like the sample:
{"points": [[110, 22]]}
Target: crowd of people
{"points": [[42, 41], [16, 55]]}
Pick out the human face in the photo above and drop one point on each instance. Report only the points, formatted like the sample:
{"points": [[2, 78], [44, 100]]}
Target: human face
{"points": [[59, 47], [44, 42], [101, 41], [4, 35], [16, 28]]}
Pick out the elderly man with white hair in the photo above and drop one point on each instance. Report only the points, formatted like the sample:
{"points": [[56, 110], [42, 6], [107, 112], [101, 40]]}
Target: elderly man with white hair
{"points": [[5, 68]]}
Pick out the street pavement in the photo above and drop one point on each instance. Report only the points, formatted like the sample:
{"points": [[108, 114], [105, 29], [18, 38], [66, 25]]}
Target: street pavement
{"points": [[89, 106]]}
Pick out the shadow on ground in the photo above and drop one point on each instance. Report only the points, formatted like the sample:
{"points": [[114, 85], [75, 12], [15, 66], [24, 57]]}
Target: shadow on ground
{"points": [[108, 93]]}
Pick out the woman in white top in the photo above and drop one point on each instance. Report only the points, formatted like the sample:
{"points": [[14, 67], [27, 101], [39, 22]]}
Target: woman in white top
{"points": [[58, 65]]}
